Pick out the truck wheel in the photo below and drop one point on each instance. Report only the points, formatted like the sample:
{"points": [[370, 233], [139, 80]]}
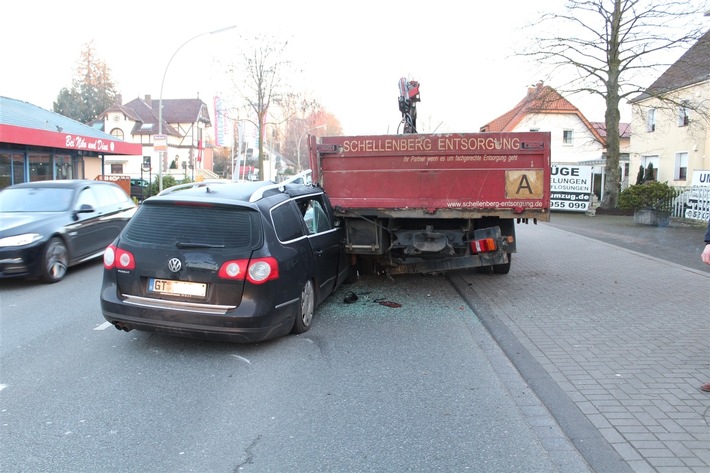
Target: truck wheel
{"points": [[503, 268], [306, 309], [55, 262]]}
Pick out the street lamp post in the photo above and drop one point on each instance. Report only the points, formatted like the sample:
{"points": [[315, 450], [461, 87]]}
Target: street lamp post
{"points": [[160, 101], [298, 148]]}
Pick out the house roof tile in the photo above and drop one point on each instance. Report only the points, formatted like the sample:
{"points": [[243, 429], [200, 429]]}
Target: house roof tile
{"points": [[540, 99], [691, 68]]}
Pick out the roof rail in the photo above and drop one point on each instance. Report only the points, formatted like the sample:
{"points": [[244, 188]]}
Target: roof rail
{"points": [[304, 177], [190, 185]]}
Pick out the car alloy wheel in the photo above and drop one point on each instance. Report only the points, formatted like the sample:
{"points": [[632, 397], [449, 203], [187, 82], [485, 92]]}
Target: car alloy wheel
{"points": [[56, 260], [305, 316]]}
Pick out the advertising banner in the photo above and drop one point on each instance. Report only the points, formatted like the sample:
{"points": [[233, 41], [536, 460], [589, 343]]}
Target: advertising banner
{"points": [[570, 187], [701, 177], [223, 133]]}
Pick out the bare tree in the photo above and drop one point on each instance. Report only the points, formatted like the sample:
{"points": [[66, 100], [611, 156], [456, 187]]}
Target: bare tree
{"points": [[298, 111], [608, 48], [258, 77], [92, 91]]}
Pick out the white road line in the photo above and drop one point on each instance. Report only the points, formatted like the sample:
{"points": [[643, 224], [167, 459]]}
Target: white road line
{"points": [[103, 326], [242, 358]]}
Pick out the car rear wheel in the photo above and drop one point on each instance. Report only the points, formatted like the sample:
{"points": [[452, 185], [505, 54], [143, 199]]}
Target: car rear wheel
{"points": [[56, 260], [305, 315]]}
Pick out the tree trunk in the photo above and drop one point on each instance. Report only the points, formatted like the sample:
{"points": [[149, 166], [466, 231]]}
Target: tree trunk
{"points": [[612, 181]]}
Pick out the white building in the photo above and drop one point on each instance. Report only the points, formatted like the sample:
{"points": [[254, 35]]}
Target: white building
{"points": [[670, 120]]}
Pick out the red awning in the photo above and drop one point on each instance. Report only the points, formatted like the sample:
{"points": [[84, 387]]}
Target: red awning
{"points": [[53, 139]]}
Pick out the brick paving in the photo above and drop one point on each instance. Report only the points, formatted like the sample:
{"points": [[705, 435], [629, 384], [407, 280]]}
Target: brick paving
{"points": [[625, 335]]}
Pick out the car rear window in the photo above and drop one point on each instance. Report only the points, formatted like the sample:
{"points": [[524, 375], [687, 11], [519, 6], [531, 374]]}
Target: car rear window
{"points": [[168, 225]]}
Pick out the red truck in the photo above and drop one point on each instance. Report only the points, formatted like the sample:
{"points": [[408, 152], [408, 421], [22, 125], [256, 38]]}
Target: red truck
{"points": [[427, 203]]}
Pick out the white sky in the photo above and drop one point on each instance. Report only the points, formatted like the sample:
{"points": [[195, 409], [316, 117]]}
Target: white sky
{"points": [[352, 53]]}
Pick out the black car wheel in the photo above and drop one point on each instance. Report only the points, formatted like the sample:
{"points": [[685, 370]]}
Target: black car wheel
{"points": [[305, 316], [56, 260]]}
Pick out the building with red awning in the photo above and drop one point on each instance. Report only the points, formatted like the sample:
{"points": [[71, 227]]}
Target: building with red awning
{"points": [[37, 144]]}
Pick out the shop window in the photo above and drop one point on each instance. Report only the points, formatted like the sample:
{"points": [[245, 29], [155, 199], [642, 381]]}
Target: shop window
{"points": [[18, 168], [40, 167], [5, 170], [63, 168], [117, 168]]}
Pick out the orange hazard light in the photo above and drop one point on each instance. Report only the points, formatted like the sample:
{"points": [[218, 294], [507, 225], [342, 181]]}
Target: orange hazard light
{"points": [[483, 246]]}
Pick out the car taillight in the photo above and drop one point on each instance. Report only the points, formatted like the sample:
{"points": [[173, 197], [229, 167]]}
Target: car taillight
{"points": [[262, 270], [483, 246], [256, 271], [235, 269], [118, 258]]}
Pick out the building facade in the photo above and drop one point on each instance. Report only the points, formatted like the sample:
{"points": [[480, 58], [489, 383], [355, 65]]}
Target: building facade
{"points": [[37, 144], [574, 139], [183, 144], [670, 120]]}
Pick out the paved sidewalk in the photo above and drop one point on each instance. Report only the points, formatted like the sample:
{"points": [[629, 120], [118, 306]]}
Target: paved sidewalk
{"points": [[608, 336]]}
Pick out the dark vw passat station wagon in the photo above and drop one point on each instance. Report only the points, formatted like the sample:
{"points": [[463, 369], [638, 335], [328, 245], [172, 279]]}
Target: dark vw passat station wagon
{"points": [[225, 261]]}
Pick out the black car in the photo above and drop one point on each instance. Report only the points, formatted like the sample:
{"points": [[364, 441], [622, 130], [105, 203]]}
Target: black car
{"points": [[48, 226], [225, 261], [140, 189]]}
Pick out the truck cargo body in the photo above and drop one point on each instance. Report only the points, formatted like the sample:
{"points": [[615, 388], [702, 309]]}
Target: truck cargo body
{"points": [[419, 203]]}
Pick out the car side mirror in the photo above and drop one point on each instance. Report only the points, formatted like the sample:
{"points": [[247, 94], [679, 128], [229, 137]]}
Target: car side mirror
{"points": [[84, 209]]}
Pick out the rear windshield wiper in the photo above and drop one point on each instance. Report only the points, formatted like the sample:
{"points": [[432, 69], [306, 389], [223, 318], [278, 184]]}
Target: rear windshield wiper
{"points": [[197, 245]]}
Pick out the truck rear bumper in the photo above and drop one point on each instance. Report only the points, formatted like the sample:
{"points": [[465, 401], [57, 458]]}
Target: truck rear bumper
{"points": [[449, 264]]}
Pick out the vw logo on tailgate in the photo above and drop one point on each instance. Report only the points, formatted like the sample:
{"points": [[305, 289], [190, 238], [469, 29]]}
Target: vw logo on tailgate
{"points": [[174, 265]]}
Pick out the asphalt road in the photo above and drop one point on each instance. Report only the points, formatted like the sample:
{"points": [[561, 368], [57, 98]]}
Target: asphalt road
{"points": [[421, 387]]}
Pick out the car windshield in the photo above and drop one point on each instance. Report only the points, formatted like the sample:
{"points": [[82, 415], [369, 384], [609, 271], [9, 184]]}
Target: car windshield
{"points": [[36, 199]]}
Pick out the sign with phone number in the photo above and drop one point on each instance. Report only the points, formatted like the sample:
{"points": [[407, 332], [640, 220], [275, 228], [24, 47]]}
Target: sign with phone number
{"points": [[697, 214], [564, 205], [570, 187]]}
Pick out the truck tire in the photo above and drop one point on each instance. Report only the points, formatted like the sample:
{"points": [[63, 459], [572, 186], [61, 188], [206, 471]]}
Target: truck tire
{"points": [[503, 268]]}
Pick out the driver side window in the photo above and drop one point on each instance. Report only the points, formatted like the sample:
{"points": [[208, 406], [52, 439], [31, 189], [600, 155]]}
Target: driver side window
{"points": [[86, 196], [314, 215]]}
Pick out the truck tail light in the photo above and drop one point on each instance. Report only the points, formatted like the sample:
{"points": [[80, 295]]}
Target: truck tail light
{"points": [[256, 271], [483, 246], [117, 258]]}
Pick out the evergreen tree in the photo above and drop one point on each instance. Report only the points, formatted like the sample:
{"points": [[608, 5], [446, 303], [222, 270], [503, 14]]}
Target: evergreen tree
{"points": [[639, 176]]}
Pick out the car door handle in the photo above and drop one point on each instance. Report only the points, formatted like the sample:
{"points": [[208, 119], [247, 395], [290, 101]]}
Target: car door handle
{"points": [[318, 252]]}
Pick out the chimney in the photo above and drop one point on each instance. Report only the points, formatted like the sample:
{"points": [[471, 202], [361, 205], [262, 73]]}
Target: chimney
{"points": [[119, 99], [148, 100]]}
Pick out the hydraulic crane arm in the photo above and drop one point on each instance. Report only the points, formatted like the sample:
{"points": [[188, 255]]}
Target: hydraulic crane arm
{"points": [[408, 98]]}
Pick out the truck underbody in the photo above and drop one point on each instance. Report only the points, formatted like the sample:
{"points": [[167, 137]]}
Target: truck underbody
{"points": [[406, 245]]}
